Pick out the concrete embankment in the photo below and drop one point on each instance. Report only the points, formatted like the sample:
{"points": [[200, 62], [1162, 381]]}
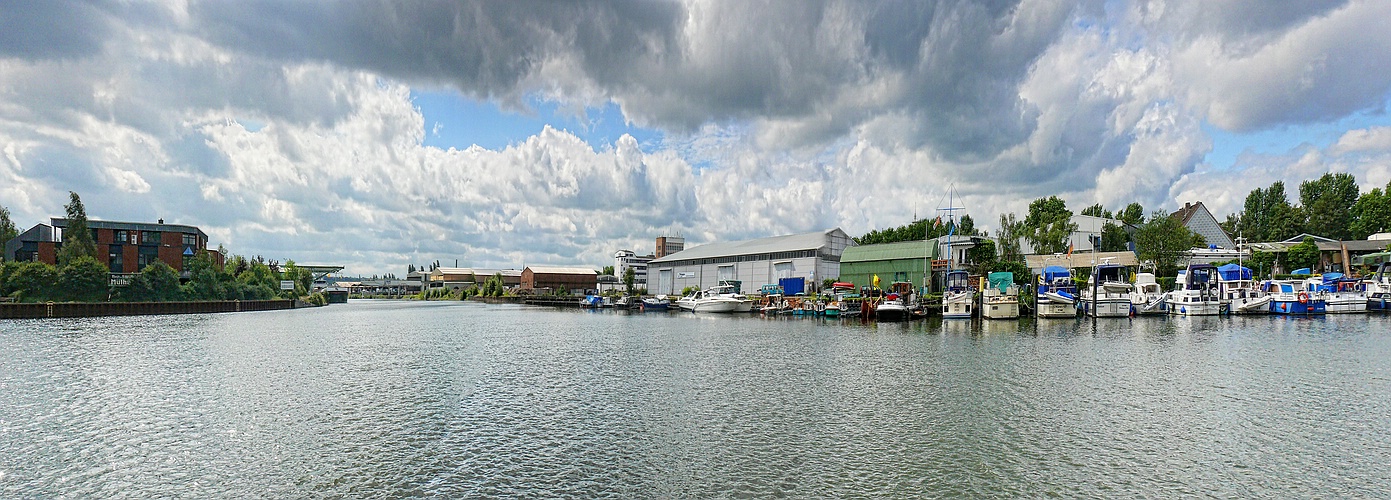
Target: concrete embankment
{"points": [[77, 310]]}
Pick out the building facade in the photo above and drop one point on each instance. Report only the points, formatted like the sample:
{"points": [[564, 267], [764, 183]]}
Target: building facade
{"points": [[667, 245], [574, 279], [908, 261], [623, 260], [813, 256], [124, 247]]}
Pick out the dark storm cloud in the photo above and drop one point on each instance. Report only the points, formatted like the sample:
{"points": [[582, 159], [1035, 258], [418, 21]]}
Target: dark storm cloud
{"points": [[956, 65]]}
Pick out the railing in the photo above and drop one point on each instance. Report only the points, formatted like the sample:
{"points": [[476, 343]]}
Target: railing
{"points": [[86, 309]]}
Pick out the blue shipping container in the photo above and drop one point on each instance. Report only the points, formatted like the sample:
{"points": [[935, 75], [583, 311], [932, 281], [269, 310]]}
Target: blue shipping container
{"points": [[793, 286]]}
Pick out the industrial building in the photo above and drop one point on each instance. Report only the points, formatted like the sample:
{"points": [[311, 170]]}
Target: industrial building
{"points": [[812, 256], [623, 260], [903, 261], [574, 279]]}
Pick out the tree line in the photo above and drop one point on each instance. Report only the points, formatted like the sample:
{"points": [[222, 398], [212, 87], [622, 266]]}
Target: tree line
{"points": [[80, 277]]}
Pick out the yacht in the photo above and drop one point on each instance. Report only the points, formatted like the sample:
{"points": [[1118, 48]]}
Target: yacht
{"points": [[717, 299], [1001, 299], [891, 309], [1239, 293], [1342, 295], [1148, 297], [1195, 292], [1293, 297], [958, 299], [1107, 294], [1057, 293], [1378, 285]]}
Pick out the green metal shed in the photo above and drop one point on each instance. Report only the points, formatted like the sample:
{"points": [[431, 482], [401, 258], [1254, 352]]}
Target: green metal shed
{"points": [[902, 261]]}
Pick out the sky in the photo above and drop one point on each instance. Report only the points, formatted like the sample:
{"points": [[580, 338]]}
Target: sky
{"points": [[378, 134]]}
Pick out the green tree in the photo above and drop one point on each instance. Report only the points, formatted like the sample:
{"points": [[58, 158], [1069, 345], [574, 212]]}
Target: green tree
{"points": [[1305, 254], [84, 280], [1009, 233], [6, 269], [607, 271], [1114, 238], [1327, 204], [77, 238], [1132, 214], [1268, 216], [1049, 225], [1097, 211], [982, 256], [1163, 241], [629, 278], [204, 282], [157, 282], [1371, 214], [33, 281], [1262, 263], [918, 230], [7, 229], [967, 226]]}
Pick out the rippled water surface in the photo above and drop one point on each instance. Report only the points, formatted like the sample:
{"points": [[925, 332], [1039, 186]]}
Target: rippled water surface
{"points": [[394, 398]]}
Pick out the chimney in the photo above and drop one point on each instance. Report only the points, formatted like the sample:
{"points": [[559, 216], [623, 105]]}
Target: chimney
{"points": [[161, 221], [1187, 205]]}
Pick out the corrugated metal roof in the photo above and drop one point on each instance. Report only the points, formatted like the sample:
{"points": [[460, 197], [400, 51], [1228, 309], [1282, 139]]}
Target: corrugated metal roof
{"points": [[1077, 260], [891, 251], [774, 244], [561, 270], [132, 226]]}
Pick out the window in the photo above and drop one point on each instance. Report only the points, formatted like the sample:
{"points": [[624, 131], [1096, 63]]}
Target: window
{"points": [[190, 240], [113, 258], [727, 273], [149, 237], [148, 255], [120, 236]]}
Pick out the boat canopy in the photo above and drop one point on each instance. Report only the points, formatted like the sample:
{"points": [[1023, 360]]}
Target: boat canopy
{"points": [[1233, 272], [1051, 273], [1001, 280], [1331, 277], [1302, 270]]}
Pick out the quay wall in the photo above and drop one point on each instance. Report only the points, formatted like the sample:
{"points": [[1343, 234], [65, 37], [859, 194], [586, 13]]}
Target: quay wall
{"points": [[78, 310]]}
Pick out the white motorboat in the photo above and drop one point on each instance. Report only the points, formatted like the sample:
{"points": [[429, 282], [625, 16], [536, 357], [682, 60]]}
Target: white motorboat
{"points": [[718, 299], [1000, 300], [1239, 293], [1341, 295], [958, 300], [1057, 293], [1107, 294], [891, 309], [1378, 286], [1147, 297], [1195, 292]]}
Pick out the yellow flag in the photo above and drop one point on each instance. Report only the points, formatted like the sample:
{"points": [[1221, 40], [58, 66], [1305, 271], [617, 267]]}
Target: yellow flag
{"points": [[876, 281]]}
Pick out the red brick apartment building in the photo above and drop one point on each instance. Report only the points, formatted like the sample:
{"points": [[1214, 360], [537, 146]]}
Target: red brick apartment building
{"points": [[124, 247]]}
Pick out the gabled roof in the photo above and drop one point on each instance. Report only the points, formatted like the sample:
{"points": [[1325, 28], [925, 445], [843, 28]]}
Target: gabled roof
{"points": [[1186, 213], [1300, 239], [890, 251], [773, 244]]}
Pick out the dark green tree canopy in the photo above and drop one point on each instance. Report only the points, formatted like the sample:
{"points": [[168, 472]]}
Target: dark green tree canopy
{"points": [[77, 238], [8, 231], [1132, 214], [1327, 203], [1163, 240], [1048, 225], [1305, 254]]}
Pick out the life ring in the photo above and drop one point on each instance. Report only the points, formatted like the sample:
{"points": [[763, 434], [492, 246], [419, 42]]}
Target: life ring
{"points": [[1303, 297]]}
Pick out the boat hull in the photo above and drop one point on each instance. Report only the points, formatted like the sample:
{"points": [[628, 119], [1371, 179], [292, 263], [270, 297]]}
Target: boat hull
{"points": [[1295, 307], [721, 306], [958, 308], [1250, 306], [890, 312], [1346, 304], [1004, 309], [1107, 308], [1379, 303], [1051, 309], [1204, 308]]}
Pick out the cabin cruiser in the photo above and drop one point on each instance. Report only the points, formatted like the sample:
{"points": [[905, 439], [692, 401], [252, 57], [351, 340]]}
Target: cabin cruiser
{"points": [[1341, 295], [1057, 293], [1195, 292], [1293, 297], [1378, 286], [1107, 294], [658, 303], [1148, 297], [891, 309], [1001, 299], [718, 299], [958, 298], [1239, 293]]}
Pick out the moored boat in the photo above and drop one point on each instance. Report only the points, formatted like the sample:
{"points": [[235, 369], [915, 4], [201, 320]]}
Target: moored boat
{"points": [[1293, 298], [658, 303], [1057, 293], [1000, 300], [891, 309], [1196, 292], [1378, 285], [1147, 297], [1239, 293], [1342, 295], [958, 299], [1107, 294]]}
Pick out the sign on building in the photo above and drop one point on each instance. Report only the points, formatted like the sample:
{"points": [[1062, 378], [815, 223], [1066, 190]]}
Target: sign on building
{"points": [[287, 285]]}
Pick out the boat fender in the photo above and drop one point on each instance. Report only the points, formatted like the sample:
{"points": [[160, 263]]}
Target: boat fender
{"points": [[1303, 297]]}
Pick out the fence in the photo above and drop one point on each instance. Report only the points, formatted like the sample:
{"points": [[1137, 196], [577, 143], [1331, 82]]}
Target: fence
{"points": [[77, 309]]}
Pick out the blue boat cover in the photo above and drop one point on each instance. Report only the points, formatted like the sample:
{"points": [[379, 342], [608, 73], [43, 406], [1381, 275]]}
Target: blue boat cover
{"points": [[1331, 277], [1051, 273], [1233, 272], [1302, 270]]}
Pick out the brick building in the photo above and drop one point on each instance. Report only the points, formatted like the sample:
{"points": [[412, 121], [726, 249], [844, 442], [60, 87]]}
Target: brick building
{"points": [[124, 247]]}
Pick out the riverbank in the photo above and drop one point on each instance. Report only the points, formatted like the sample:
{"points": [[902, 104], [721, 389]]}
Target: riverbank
{"points": [[88, 309]]}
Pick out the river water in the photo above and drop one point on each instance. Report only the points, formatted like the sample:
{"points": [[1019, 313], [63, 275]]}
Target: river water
{"points": [[384, 398]]}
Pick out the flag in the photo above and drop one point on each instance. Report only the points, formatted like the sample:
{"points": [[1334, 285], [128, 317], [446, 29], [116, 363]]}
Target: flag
{"points": [[1069, 249], [876, 281]]}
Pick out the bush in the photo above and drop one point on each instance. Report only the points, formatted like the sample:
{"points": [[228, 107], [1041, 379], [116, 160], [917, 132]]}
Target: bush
{"points": [[156, 283], [33, 281], [84, 280]]}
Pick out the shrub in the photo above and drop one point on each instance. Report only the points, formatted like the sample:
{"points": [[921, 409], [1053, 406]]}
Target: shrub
{"points": [[83, 280], [33, 281]]}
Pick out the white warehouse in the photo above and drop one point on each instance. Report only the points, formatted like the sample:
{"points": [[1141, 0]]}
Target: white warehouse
{"points": [[814, 256]]}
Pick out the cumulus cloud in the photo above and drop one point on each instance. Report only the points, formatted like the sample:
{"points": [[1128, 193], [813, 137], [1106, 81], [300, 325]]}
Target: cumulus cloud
{"points": [[287, 129]]}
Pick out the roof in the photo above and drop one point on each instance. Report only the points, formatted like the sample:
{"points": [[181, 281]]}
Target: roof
{"points": [[1186, 213], [562, 270], [890, 251], [132, 226], [1300, 239], [506, 273], [1080, 259], [773, 244]]}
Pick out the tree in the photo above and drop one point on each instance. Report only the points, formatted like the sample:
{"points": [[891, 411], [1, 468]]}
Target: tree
{"points": [[1163, 241], [1327, 204], [157, 282], [967, 226], [204, 282], [1305, 254], [32, 281], [1011, 229], [1049, 225], [629, 277], [982, 256], [1097, 211], [83, 280], [1132, 214], [607, 271], [7, 229], [77, 238], [1371, 214], [1267, 215], [1114, 238]]}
